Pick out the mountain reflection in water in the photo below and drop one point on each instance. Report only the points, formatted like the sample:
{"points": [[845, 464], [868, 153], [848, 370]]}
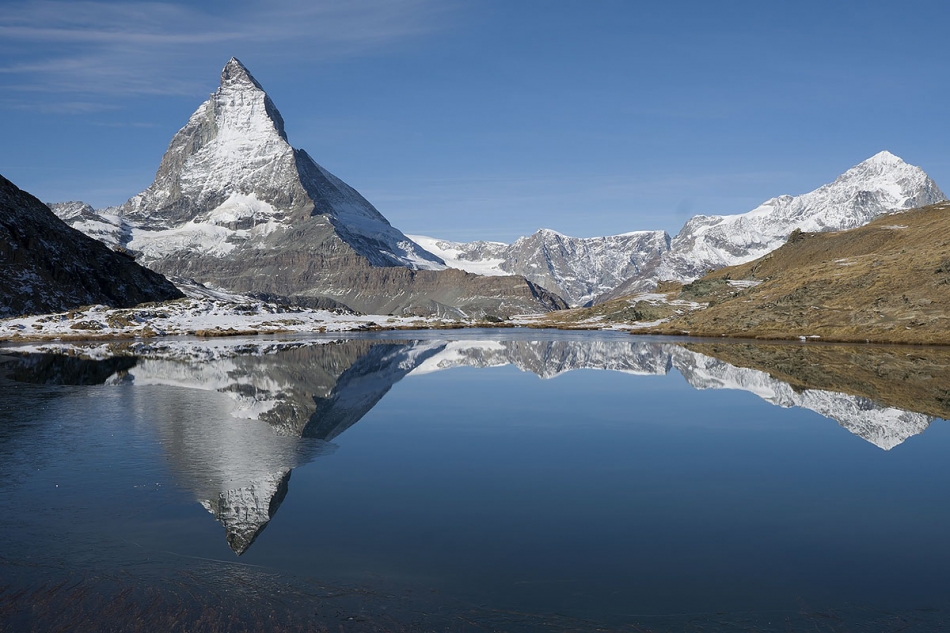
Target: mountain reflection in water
{"points": [[289, 400]]}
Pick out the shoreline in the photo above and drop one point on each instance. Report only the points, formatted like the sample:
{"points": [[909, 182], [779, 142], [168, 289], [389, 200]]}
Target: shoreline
{"points": [[371, 326]]}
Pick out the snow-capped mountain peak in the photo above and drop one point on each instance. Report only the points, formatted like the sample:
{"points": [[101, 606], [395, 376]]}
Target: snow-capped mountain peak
{"points": [[230, 179], [879, 185], [236, 80], [883, 157]]}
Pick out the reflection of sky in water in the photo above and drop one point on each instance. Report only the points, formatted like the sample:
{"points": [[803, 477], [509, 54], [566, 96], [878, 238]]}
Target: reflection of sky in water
{"points": [[593, 491]]}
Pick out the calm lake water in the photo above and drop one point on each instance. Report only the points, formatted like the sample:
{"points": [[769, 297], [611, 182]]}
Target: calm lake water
{"points": [[475, 480]]}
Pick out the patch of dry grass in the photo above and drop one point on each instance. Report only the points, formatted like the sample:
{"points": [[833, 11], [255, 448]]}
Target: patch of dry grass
{"points": [[623, 311], [888, 281]]}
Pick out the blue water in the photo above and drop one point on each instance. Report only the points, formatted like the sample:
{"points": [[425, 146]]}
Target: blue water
{"points": [[596, 495]]}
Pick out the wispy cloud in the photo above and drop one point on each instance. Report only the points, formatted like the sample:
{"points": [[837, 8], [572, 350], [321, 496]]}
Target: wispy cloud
{"points": [[94, 51]]}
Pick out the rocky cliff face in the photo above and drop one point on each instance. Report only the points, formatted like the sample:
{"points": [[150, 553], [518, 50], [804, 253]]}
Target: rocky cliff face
{"points": [[46, 266], [234, 205], [585, 270]]}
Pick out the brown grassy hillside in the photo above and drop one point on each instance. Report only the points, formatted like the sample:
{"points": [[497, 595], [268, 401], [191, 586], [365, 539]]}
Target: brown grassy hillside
{"points": [[888, 281]]}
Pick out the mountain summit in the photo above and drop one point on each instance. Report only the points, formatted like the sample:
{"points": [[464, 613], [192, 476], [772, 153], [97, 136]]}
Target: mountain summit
{"points": [[234, 205]]}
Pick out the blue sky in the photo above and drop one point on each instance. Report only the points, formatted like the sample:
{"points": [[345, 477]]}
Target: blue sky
{"points": [[490, 119]]}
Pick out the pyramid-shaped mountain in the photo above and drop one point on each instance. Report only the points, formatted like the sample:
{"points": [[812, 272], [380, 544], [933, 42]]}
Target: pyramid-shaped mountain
{"points": [[234, 205]]}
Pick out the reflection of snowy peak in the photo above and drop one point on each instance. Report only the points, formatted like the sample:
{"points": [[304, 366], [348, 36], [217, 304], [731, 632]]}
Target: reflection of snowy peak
{"points": [[306, 393], [318, 390], [245, 512], [586, 269]]}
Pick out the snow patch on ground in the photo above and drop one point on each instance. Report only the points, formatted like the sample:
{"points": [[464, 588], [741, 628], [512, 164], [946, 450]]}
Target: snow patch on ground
{"points": [[196, 315]]}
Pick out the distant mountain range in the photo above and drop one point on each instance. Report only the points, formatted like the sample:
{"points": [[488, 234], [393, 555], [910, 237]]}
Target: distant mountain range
{"points": [[591, 270]]}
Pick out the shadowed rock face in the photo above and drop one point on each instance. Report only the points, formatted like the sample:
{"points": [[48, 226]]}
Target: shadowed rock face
{"points": [[234, 205], [279, 405], [46, 266]]}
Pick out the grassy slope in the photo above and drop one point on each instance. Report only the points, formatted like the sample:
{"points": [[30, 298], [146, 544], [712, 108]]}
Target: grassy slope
{"points": [[888, 281]]}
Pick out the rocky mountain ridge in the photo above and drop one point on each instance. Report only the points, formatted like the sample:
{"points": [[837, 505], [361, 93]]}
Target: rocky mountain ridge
{"points": [[582, 269]]}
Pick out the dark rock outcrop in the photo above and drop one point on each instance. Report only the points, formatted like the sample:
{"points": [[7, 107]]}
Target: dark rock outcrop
{"points": [[46, 266]]}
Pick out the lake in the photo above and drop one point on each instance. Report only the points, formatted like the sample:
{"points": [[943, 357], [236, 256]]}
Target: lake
{"points": [[475, 480]]}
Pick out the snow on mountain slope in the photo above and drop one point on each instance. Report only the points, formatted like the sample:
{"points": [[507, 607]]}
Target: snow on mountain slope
{"points": [[105, 227], [880, 185], [481, 258]]}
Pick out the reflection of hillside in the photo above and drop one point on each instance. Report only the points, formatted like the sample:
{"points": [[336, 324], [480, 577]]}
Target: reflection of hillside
{"points": [[882, 425], [60, 369], [913, 378]]}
